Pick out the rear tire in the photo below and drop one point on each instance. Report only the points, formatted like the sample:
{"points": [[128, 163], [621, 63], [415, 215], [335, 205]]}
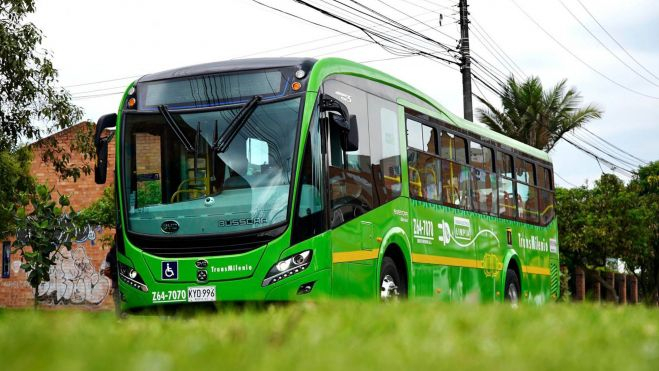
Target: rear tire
{"points": [[392, 285], [513, 288]]}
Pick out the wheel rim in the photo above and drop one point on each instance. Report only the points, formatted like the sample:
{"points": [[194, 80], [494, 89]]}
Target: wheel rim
{"points": [[388, 289], [512, 294]]}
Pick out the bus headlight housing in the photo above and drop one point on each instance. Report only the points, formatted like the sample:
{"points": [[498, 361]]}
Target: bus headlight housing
{"points": [[130, 276], [287, 267]]}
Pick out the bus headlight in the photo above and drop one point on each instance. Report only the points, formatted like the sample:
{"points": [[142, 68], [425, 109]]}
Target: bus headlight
{"points": [[130, 276], [288, 267]]}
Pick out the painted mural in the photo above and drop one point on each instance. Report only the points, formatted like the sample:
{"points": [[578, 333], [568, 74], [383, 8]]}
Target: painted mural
{"points": [[74, 279]]}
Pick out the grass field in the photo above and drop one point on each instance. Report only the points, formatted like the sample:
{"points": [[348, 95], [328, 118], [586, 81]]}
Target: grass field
{"points": [[337, 336]]}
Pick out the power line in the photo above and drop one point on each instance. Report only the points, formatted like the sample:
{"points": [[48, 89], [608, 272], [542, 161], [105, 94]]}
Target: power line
{"points": [[451, 16], [400, 11], [437, 5], [604, 46], [406, 49], [563, 179], [391, 58], [577, 137], [391, 25], [611, 165], [500, 73], [326, 46], [614, 146], [102, 81], [383, 18], [507, 67], [96, 95], [97, 90], [614, 39], [495, 45], [578, 58]]}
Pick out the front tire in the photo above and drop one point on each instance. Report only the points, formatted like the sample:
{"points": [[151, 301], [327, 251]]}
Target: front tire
{"points": [[392, 286], [513, 288]]}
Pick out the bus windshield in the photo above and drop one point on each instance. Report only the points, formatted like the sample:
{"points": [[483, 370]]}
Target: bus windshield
{"points": [[185, 186]]}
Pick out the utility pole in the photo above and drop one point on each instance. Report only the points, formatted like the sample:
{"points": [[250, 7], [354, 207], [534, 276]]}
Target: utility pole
{"points": [[465, 61]]}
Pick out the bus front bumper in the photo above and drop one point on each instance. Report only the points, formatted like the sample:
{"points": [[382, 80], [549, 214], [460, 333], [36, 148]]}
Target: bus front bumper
{"points": [[307, 285]]}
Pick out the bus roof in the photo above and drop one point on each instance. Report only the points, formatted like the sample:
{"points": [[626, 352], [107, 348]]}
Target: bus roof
{"points": [[322, 68], [233, 65], [329, 66]]}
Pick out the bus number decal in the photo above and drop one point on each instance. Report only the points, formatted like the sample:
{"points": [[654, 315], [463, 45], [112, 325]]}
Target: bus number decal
{"points": [[169, 296], [423, 231]]}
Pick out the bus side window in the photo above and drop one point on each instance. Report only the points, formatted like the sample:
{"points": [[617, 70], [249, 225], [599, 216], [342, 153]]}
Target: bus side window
{"points": [[310, 218], [546, 196], [350, 172], [385, 147], [423, 169], [507, 200], [483, 180]]}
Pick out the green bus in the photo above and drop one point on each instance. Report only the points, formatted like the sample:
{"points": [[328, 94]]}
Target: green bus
{"points": [[295, 179]]}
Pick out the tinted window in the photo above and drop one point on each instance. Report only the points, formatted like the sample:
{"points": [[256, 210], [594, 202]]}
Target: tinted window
{"points": [[505, 165], [421, 136], [480, 156], [350, 180], [453, 147], [460, 150], [455, 185], [507, 203], [385, 147], [484, 192], [414, 134], [546, 207], [527, 203], [524, 171], [310, 219], [424, 175], [521, 173]]}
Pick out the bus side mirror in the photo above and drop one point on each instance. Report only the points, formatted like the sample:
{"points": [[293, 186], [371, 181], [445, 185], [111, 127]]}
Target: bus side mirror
{"points": [[101, 143], [352, 136], [349, 131]]}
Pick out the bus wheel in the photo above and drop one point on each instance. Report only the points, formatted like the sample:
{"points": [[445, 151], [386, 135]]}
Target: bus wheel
{"points": [[512, 287], [391, 287]]}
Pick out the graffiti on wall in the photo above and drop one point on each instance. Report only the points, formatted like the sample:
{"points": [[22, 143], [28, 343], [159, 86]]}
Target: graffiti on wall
{"points": [[73, 278]]}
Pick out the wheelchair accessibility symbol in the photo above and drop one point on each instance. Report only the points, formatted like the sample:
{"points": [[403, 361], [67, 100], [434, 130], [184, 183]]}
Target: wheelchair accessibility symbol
{"points": [[169, 270]]}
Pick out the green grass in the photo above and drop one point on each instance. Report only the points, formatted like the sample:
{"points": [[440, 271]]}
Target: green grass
{"points": [[338, 336]]}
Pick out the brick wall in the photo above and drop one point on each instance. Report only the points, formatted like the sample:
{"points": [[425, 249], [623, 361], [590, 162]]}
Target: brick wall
{"points": [[75, 279]]}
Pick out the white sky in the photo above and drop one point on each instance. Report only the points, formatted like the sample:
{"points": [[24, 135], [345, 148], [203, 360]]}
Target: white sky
{"points": [[93, 41]]}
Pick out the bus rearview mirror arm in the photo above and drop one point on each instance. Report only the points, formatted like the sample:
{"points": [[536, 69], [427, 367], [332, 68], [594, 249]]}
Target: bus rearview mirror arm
{"points": [[344, 120], [101, 144]]}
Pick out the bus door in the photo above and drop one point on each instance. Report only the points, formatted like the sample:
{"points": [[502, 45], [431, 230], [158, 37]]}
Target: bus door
{"points": [[350, 193]]}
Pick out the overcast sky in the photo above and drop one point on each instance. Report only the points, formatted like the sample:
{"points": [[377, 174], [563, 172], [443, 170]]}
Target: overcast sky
{"points": [[120, 40]]}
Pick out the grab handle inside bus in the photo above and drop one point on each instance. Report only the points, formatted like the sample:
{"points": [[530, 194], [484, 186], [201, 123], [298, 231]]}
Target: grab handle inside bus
{"points": [[101, 143]]}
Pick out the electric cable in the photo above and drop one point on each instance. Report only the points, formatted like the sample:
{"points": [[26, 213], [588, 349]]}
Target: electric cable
{"points": [[578, 58]]}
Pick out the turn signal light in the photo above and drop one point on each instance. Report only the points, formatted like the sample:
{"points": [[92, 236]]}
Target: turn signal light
{"points": [[296, 86], [131, 102]]}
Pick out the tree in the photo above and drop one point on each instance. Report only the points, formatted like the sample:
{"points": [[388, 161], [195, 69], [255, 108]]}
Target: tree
{"points": [[29, 97], [646, 183], [15, 170], [41, 232], [608, 221], [536, 117]]}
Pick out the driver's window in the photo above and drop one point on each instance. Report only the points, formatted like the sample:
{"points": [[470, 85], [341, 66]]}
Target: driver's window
{"points": [[350, 173]]}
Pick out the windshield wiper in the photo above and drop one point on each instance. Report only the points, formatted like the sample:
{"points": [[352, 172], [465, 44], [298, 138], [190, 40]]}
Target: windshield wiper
{"points": [[222, 143], [175, 128]]}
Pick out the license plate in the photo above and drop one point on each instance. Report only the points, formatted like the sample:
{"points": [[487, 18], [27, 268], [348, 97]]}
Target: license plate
{"points": [[201, 293]]}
